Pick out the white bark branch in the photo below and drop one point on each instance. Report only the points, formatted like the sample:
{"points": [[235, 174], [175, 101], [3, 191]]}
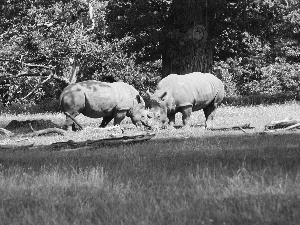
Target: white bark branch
{"points": [[91, 14], [36, 87]]}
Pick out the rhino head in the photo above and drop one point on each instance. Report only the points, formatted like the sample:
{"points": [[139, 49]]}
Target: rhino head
{"points": [[159, 102], [139, 115]]}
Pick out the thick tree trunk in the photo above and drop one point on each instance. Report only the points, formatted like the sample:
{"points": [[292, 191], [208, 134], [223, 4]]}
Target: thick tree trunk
{"points": [[187, 47]]}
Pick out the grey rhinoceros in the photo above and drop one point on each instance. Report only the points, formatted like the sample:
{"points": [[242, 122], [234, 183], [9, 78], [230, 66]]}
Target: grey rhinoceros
{"points": [[185, 94], [97, 99]]}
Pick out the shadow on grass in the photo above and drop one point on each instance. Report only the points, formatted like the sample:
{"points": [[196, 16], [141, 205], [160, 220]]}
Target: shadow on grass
{"points": [[219, 152], [217, 178]]}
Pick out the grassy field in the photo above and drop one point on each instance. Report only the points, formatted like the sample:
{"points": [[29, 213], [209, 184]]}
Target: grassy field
{"points": [[181, 176]]}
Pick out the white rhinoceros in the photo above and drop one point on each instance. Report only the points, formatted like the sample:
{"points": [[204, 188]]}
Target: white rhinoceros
{"points": [[185, 94], [97, 99]]}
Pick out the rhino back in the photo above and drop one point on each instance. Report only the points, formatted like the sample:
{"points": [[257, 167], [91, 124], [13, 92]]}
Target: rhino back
{"points": [[197, 89], [125, 95], [91, 98]]}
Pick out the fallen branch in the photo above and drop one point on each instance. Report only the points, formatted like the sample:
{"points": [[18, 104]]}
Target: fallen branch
{"points": [[47, 131], [281, 129], [281, 124], [291, 127], [101, 142], [11, 147], [233, 127], [23, 139], [117, 127], [6, 132]]}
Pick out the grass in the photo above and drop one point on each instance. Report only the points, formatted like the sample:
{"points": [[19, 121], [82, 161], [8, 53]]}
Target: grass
{"points": [[182, 176]]}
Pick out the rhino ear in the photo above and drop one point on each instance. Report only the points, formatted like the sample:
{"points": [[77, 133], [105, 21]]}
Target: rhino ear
{"points": [[139, 99], [163, 96]]}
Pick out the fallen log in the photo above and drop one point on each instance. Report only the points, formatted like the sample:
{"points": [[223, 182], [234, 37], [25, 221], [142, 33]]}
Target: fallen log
{"points": [[233, 127], [47, 131], [6, 132], [297, 125], [116, 127], [281, 124], [15, 147], [101, 142]]}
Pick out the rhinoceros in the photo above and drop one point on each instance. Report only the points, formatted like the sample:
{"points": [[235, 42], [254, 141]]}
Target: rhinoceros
{"points": [[185, 94], [97, 99]]}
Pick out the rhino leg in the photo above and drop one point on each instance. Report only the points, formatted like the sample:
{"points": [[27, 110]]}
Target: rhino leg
{"points": [[105, 121], [119, 116], [210, 111], [171, 118], [186, 114]]}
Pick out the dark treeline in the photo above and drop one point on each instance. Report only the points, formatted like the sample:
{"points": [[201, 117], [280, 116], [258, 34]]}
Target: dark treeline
{"points": [[45, 45]]}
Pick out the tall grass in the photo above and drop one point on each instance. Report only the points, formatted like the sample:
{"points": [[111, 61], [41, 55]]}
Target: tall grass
{"points": [[186, 176]]}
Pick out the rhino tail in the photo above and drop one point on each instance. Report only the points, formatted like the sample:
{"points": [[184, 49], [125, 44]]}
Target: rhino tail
{"points": [[74, 120], [61, 103]]}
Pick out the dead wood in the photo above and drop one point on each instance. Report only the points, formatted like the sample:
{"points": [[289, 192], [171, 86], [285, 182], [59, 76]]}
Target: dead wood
{"points": [[101, 142], [6, 132], [281, 124], [29, 126], [47, 131], [116, 127], [297, 125], [233, 127], [15, 147]]}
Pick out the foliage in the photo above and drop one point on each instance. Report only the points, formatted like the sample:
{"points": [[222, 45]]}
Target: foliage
{"points": [[143, 22], [42, 36], [110, 63], [256, 44], [260, 52]]}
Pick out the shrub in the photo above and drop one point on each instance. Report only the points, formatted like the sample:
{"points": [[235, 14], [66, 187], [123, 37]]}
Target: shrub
{"points": [[112, 64], [280, 77]]}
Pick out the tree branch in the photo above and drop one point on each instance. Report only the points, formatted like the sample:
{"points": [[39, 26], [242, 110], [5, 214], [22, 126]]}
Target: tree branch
{"points": [[38, 66], [61, 79], [25, 74], [91, 14], [36, 87]]}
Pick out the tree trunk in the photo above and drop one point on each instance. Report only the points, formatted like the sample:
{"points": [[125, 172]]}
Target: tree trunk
{"points": [[187, 47]]}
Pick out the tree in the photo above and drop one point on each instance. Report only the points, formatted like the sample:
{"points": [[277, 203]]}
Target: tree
{"points": [[44, 41], [187, 47], [180, 33], [258, 48], [142, 23]]}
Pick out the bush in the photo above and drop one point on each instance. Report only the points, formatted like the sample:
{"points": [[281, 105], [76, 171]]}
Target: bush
{"points": [[279, 78], [111, 64], [30, 108], [261, 99], [273, 79]]}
